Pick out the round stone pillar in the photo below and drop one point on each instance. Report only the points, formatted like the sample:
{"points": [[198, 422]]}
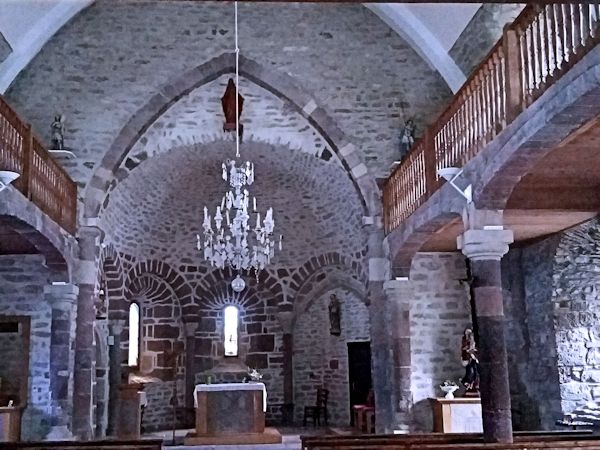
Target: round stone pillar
{"points": [[399, 293], [62, 298], [190, 372], [85, 274], [485, 248], [115, 329]]}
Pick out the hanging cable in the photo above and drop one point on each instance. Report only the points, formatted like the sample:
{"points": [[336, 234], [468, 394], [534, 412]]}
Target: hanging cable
{"points": [[237, 86]]}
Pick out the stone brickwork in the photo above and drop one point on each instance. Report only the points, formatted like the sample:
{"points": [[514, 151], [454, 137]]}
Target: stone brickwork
{"points": [[5, 48], [530, 335], [321, 359], [576, 303], [22, 281], [167, 219], [551, 306], [370, 100], [482, 33], [439, 313], [198, 118]]}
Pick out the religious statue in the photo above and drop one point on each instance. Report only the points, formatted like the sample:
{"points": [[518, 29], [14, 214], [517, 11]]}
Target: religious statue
{"points": [[335, 313], [407, 137], [470, 362], [229, 110], [58, 130]]}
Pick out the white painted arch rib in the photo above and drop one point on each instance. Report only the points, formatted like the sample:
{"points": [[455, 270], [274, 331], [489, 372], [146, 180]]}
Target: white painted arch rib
{"points": [[400, 19], [28, 45]]}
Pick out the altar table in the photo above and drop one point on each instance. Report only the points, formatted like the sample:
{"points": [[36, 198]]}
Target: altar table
{"points": [[457, 415], [231, 413]]}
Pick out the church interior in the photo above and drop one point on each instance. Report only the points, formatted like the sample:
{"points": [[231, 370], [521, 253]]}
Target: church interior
{"points": [[299, 225]]}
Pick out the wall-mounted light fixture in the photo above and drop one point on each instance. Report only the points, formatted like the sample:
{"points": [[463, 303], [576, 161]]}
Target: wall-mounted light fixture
{"points": [[450, 174], [7, 177]]}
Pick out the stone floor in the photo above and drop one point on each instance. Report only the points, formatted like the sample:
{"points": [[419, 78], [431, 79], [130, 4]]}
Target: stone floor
{"points": [[290, 440]]}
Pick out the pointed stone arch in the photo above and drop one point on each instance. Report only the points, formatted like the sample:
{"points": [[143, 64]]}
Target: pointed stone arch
{"points": [[279, 83]]}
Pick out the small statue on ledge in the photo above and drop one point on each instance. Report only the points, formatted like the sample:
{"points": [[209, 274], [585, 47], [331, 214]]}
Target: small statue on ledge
{"points": [[471, 363], [58, 131], [407, 137], [335, 313]]}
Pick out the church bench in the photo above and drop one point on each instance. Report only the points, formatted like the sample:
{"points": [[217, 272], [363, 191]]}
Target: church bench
{"points": [[140, 444], [414, 441]]}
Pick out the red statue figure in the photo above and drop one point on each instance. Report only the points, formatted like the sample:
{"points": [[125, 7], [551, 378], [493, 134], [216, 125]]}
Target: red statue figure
{"points": [[228, 103]]}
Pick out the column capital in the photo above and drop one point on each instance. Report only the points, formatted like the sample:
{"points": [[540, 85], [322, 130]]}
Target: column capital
{"points": [[61, 296], [479, 245]]}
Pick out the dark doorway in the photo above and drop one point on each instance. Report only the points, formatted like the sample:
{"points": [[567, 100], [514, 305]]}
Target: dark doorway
{"points": [[359, 373]]}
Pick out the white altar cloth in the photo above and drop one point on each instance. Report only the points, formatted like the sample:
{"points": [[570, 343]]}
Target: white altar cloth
{"points": [[232, 387]]}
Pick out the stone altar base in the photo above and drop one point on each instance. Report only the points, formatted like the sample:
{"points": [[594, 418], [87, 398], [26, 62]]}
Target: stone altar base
{"points": [[269, 436], [231, 413]]}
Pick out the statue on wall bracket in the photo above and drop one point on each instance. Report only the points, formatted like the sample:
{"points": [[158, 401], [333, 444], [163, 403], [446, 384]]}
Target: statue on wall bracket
{"points": [[228, 104], [335, 315]]}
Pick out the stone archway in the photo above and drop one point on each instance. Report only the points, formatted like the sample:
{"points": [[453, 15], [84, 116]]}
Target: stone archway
{"points": [[276, 82]]}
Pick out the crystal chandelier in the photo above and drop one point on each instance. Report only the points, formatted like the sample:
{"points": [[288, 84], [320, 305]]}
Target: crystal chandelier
{"points": [[232, 241]]}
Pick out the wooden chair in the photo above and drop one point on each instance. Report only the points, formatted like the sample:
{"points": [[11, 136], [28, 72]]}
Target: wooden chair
{"points": [[319, 409]]}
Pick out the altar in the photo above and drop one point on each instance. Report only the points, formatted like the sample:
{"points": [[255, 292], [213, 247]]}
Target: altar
{"points": [[231, 413]]}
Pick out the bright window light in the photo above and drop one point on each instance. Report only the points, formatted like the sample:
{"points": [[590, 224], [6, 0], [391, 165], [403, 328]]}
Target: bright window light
{"points": [[231, 331], [134, 334]]}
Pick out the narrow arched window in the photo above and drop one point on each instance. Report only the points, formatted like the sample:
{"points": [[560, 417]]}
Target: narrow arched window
{"points": [[231, 331], [134, 335]]}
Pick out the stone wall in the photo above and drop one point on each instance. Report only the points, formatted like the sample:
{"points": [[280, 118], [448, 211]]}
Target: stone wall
{"points": [[439, 313], [321, 359], [551, 306], [576, 303], [22, 281], [89, 69], [482, 33], [530, 335]]}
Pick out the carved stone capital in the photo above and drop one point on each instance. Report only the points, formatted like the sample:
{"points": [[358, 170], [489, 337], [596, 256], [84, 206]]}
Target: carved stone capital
{"points": [[479, 245]]}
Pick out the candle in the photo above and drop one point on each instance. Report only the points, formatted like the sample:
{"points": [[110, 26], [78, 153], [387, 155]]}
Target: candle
{"points": [[223, 203], [280, 238], [258, 220], [228, 221], [254, 203], [205, 213]]}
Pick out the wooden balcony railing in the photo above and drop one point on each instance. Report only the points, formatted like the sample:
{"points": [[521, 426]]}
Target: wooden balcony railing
{"points": [[542, 44], [42, 180]]}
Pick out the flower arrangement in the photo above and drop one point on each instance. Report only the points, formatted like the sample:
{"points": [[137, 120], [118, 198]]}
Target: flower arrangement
{"points": [[449, 387], [254, 375]]}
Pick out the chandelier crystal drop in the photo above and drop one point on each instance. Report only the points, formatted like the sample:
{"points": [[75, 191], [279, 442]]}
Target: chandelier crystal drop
{"points": [[229, 236]]}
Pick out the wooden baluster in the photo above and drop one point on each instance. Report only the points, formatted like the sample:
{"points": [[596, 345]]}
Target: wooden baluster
{"points": [[553, 71], [596, 23], [562, 35], [585, 24], [540, 47], [576, 14], [568, 32], [27, 161]]}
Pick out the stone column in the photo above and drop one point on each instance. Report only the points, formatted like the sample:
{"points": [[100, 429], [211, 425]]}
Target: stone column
{"points": [[62, 298], [190, 373], [399, 294], [485, 248], [381, 364], [85, 275], [286, 319], [115, 329]]}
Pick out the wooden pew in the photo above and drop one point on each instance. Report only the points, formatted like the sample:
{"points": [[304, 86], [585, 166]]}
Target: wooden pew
{"points": [[444, 440], [139, 444]]}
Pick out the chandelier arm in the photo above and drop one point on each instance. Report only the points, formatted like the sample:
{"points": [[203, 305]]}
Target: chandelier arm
{"points": [[237, 86]]}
